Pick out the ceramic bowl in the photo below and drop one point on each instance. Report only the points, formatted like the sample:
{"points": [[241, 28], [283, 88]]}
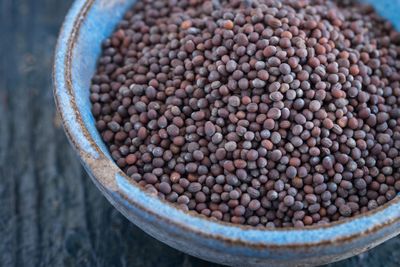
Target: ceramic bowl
{"points": [[79, 45]]}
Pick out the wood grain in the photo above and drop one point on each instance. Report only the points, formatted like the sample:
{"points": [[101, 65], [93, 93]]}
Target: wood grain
{"points": [[50, 212]]}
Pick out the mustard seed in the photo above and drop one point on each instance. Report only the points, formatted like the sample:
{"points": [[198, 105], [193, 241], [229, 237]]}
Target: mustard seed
{"points": [[266, 113]]}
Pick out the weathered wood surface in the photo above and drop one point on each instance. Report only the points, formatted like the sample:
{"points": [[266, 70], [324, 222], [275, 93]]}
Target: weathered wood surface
{"points": [[50, 212]]}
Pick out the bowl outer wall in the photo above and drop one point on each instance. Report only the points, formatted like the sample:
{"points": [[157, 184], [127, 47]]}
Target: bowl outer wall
{"points": [[78, 48]]}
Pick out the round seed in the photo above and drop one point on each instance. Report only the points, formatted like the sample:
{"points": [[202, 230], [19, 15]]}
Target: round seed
{"points": [[268, 114]]}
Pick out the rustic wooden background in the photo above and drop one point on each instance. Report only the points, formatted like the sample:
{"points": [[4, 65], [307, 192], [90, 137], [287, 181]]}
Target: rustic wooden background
{"points": [[50, 212]]}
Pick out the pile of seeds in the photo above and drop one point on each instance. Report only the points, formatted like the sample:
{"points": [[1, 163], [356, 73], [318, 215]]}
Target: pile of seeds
{"points": [[264, 112]]}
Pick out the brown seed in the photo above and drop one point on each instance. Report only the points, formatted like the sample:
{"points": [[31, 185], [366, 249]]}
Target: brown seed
{"points": [[198, 155], [173, 130], [269, 51], [234, 101], [131, 159], [274, 23], [231, 66], [345, 210], [241, 39], [283, 115], [209, 129], [186, 24], [315, 105], [228, 25], [289, 201], [274, 113], [230, 146], [254, 205], [175, 176], [165, 188], [284, 69], [194, 187]]}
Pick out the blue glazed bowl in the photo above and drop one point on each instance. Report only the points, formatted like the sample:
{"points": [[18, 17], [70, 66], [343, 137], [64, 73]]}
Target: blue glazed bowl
{"points": [[79, 45]]}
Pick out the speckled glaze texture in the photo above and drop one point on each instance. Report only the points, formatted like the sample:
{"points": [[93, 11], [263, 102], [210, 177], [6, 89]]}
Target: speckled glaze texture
{"points": [[79, 45]]}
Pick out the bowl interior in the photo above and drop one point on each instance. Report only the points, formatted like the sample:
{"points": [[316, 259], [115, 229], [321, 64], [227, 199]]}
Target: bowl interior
{"points": [[90, 22], [101, 27]]}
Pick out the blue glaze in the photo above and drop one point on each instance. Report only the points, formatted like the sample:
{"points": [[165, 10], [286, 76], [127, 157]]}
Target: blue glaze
{"points": [[388, 9], [191, 233], [64, 100]]}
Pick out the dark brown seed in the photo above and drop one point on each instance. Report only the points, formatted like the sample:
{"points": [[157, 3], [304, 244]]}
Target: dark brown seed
{"points": [[289, 201], [231, 66], [345, 210], [274, 22], [241, 39], [276, 155], [234, 101], [173, 130], [165, 188], [254, 205], [269, 51], [230, 146], [291, 172], [194, 187], [284, 69], [273, 113], [209, 129], [131, 159], [328, 162], [198, 155]]}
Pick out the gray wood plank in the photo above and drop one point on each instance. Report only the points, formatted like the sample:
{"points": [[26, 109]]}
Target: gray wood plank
{"points": [[50, 212]]}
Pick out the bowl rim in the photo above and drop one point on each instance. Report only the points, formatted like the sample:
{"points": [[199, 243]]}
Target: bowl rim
{"points": [[290, 237]]}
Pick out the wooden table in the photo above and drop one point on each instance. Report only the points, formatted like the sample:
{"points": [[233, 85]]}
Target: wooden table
{"points": [[50, 212]]}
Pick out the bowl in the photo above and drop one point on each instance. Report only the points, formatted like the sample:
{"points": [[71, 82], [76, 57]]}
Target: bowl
{"points": [[79, 45]]}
